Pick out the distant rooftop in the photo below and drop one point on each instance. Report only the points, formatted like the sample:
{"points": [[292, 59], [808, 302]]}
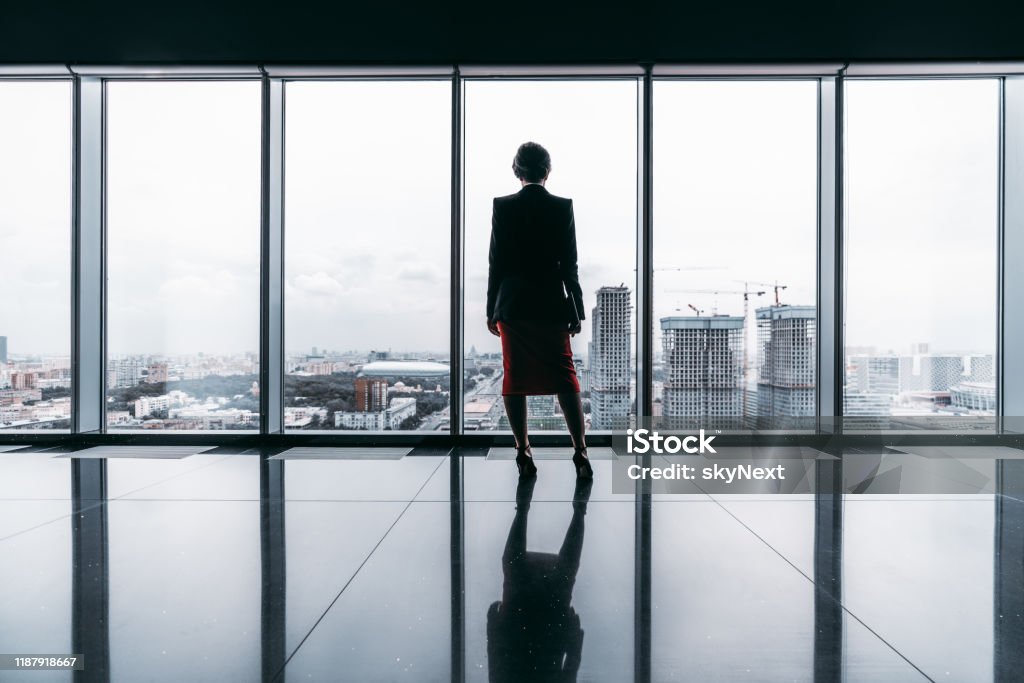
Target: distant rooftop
{"points": [[785, 311], [405, 368], [702, 322]]}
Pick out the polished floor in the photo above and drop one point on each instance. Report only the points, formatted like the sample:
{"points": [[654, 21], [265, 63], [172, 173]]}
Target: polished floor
{"points": [[229, 566]]}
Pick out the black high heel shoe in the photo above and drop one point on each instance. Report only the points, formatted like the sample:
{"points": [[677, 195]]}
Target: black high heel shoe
{"points": [[582, 463], [524, 461]]}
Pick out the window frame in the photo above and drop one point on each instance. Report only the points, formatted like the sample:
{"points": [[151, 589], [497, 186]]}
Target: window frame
{"points": [[88, 232]]}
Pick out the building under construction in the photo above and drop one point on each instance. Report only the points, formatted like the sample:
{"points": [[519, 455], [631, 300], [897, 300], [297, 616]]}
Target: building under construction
{"points": [[703, 368], [786, 357]]}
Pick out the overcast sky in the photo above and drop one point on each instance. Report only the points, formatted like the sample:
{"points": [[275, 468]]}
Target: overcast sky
{"points": [[367, 206], [35, 216]]}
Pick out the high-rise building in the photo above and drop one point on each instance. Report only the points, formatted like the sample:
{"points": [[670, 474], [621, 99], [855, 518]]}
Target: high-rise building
{"points": [[931, 372], [866, 404], [786, 345], [23, 380], [703, 359], [124, 372], [3, 349], [610, 358], [541, 406], [582, 374], [371, 394], [873, 374], [156, 373], [979, 368]]}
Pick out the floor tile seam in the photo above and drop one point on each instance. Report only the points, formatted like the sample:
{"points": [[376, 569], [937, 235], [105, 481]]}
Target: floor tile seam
{"points": [[286, 500], [841, 605], [56, 519], [352, 577], [170, 478]]}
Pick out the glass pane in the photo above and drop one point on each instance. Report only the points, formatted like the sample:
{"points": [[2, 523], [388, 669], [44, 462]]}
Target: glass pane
{"points": [[35, 239], [909, 562], [368, 224], [183, 255], [922, 177], [735, 239], [590, 129]]}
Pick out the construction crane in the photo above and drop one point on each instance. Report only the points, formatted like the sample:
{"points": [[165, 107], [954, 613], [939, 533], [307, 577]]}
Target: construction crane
{"points": [[715, 292], [698, 311], [774, 285], [746, 292]]}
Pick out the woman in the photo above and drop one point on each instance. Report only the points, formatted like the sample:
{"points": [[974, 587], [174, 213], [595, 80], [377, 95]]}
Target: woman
{"points": [[534, 302]]}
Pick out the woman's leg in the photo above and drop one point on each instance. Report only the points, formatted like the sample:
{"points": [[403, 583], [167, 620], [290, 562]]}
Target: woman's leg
{"points": [[572, 408], [515, 409]]}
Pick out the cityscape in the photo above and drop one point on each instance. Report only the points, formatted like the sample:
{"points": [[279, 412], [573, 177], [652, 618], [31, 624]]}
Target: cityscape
{"points": [[704, 371]]}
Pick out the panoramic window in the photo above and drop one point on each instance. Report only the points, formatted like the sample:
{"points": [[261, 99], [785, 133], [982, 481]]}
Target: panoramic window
{"points": [[183, 255], [35, 238], [367, 257], [922, 189], [735, 239], [590, 130]]}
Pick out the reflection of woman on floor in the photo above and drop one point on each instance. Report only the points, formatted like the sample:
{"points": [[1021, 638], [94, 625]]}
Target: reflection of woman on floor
{"points": [[533, 633]]}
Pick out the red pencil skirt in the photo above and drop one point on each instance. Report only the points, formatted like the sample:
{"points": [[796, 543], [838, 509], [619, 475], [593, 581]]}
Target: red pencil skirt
{"points": [[537, 358]]}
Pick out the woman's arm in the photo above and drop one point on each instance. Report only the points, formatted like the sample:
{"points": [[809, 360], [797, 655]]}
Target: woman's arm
{"points": [[494, 273], [569, 267]]}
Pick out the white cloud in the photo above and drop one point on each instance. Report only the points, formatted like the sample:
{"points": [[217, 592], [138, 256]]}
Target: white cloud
{"points": [[318, 284]]}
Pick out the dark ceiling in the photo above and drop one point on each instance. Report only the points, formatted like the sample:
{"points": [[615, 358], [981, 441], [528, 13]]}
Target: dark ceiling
{"points": [[433, 31]]}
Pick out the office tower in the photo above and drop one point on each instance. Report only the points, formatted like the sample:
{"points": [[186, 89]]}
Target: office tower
{"points": [[703, 367], [156, 373], [3, 349], [124, 372], [371, 394], [786, 345], [541, 406], [979, 368], [582, 374], [931, 372], [873, 374], [23, 380], [866, 404], [610, 358]]}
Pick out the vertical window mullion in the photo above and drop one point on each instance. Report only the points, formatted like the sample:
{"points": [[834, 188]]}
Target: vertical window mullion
{"points": [[643, 512], [645, 252], [829, 286], [89, 301], [457, 265], [272, 260], [1010, 365]]}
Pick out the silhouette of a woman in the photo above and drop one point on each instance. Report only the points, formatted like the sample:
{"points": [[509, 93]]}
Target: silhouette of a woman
{"points": [[533, 633], [534, 302]]}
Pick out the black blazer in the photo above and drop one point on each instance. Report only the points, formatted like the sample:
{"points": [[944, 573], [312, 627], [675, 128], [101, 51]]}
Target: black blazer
{"points": [[533, 251]]}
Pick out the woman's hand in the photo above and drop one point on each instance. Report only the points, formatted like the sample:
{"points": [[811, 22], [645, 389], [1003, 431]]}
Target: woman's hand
{"points": [[492, 325], [575, 328]]}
